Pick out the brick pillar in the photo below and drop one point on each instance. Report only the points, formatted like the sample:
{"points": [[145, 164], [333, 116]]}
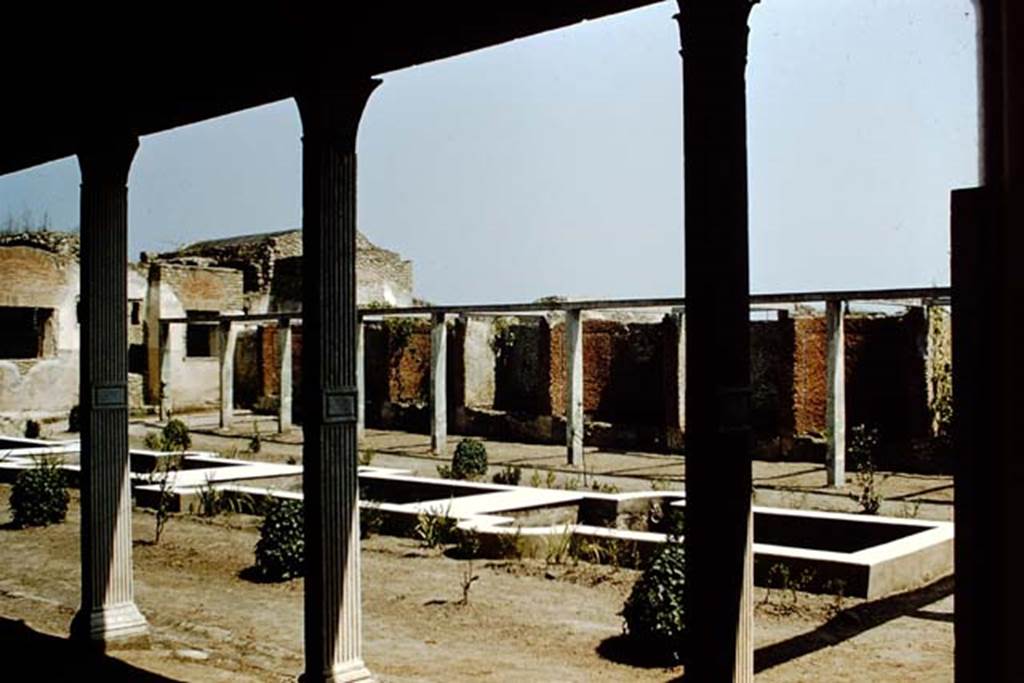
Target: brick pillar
{"points": [[438, 384], [284, 358], [108, 608], [574, 386], [719, 529], [333, 613], [835, 407], [228, 333]]}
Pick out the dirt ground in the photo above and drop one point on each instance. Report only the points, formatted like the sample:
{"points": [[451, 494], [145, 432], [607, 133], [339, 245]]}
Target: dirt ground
{"points": [[524, 622]]}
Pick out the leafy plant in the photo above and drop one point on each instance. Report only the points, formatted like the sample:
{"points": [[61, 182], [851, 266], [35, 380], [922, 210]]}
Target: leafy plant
{"points": [[162, 478], [176, 436], [366, 457], [213, 501], [510, 475], [75, 419], [280, 552], [444, 471], [255, 440], [154, 441], [787, 585], [435, 527], [864, 442], [535, 480], [469, 460], [39, 496], [654, 613], [559, 548], [32, 429]]}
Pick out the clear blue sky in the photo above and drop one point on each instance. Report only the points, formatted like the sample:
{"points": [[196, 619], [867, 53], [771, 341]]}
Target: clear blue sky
{"points": [[552, 165]]}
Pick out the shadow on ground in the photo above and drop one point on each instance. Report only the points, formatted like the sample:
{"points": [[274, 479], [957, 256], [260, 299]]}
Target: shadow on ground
{"points": [[33, 656], [845, 625]]}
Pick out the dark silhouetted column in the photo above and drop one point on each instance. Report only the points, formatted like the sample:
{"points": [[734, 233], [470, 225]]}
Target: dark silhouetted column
{"points": [[719, 608], [108, 609], [333, 614]]}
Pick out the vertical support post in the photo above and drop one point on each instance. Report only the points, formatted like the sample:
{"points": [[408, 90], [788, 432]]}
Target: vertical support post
{"points": [[675, 383], [108, 608], [438, 385], [333, 610], [284, 373], [835, 406], [719, 522], [165, 371], [360, 381], [574, 386], [228, 332]]}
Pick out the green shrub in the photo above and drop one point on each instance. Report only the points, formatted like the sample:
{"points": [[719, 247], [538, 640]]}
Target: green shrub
{"points": [[281, 550], [154, 441], [654, 611], [75, 419], [511, 475], [40, 495], [470, 460], [32, 429], [176, 437]]}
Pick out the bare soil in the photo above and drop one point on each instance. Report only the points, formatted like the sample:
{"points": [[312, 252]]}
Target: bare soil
{"points": [[524, 621]]}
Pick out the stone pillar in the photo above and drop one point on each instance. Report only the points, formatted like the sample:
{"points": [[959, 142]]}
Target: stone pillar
{"points": [[574, 386], [333, 611], [284, 373], [361, 381], [719, 529], [675, 383], [835, 407], [228, 333], [165, 371], [438, 385], [108, 608]]}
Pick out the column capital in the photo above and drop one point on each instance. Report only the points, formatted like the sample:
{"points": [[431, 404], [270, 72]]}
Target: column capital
{"points": [[106, 158], [715, 29], [331, 112]]}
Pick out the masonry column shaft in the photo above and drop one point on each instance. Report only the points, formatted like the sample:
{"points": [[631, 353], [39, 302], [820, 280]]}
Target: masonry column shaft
{"points": [[719, 529], [574, 386], [228, 332], [835, 407], [333, 613], [165, 371], [284, 373], [361, 380], [438, 385], [108, 608]]}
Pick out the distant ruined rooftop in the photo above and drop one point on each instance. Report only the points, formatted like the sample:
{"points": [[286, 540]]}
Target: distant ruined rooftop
{"points": [[59, 243], [256, 254]]}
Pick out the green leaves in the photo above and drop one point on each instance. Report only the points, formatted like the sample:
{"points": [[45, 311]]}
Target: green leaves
{"points": [[40, 495], [470, 460], [654, 612], [281, 550]]}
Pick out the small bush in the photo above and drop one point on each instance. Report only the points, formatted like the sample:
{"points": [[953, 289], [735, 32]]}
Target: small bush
{"points": [[510, 475], [32, 429], [154, 441], [40, 495], [470, 460], [281, 550], [255, 441], [75, 420], [654, 611], [176, 437]]}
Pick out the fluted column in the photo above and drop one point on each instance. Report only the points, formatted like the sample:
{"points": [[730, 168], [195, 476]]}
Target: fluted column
{"points": [[284, 358], [574, 386], [835, 405], [228, 333], [719, 606], [438, 384], [333, 614], [108, 609], [361, 380]]}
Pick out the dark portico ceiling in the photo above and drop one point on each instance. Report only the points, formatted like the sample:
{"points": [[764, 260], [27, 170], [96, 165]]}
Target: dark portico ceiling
{"points": [[146, 67]]}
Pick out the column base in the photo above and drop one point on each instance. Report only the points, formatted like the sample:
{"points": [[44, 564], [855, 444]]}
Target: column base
{"points": [[350, 672], [117, 622]]}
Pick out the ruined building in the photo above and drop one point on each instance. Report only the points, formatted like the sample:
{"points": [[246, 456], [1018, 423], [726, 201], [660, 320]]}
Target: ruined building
{"points": [[39, 334]]}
